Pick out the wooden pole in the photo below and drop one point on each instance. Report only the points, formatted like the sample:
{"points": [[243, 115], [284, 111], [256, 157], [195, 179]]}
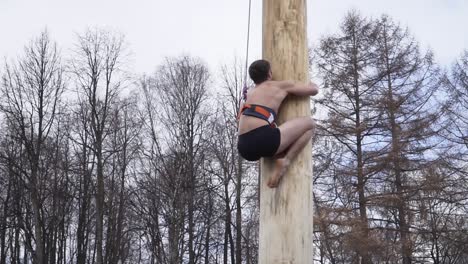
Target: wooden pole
{"points": [[286, 226]]}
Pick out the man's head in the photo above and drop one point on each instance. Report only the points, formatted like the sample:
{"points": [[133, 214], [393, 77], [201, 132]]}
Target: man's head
{"points": [[260, 71]]}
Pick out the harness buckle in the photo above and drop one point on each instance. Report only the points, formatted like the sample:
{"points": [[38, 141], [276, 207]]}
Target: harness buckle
{"points": [[271, 119]]}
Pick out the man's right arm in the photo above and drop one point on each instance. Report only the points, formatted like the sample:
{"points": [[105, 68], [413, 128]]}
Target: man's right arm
{"points": [[298, 88]]}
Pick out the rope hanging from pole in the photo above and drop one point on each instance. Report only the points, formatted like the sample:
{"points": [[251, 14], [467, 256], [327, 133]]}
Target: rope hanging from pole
{"points": [[244, 90]]}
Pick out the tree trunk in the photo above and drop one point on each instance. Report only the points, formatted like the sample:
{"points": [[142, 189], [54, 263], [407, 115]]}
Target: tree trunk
{"points": [[208, 231], [83, 196], [364, 226], [110, 252], [239, 212], [191, 197], [191, 223], [174, 240], [99, 203], [120, 217], [16, 249], [35, 203], [228, 240], [3, 225], [403, 225], [396, 155]]}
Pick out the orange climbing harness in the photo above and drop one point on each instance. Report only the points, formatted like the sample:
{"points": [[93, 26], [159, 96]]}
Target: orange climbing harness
{"points": [[259, 111]]}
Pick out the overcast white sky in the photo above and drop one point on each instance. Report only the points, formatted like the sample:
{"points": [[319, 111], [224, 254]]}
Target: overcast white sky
{"points": [[215, 30]]}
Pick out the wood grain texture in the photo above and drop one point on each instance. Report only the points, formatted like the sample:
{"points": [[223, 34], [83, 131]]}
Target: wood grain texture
{"points": [[286, 227]]}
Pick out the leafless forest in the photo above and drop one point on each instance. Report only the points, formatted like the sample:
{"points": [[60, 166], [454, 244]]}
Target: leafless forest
{"points": [[102, 165]]}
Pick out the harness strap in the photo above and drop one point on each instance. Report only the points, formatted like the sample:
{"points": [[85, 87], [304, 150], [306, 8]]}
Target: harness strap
{"points": [[261, 112]]}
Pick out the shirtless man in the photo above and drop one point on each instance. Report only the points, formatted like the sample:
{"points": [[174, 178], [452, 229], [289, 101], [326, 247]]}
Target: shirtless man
{"points": [[258, 134]]}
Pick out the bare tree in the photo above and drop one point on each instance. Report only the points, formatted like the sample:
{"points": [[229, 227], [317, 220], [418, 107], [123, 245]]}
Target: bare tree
{"points": [[149, 190], [31, 92], [457, 86], [443, 199], [15, 198], [331, 205], [173, 175], [83, 185], [124, 143], [97, 68], [234, 173], [408, 85], [345, 63], [182, 84]]}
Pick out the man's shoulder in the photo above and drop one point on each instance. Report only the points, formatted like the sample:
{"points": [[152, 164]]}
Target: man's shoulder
{"points": [[274, 87], [268, 85], [274, 83], [280, 84]]}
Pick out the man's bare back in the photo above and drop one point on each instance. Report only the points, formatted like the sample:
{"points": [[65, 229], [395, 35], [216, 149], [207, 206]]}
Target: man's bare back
{"points": [[271, 94], [268, 94]]}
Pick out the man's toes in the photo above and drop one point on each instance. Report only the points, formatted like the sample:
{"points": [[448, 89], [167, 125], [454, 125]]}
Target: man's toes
{"points": [[272, 183]]}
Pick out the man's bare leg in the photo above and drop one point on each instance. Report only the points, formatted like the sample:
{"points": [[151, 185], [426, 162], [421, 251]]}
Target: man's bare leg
{"points": [[282, 164], [295, 134]]}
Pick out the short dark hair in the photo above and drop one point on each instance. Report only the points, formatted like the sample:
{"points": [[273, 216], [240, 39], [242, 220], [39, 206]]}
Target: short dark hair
{"points": [[259, 71]]}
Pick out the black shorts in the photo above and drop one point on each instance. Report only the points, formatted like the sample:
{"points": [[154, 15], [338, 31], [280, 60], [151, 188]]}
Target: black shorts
{"points": [[260, 142]]}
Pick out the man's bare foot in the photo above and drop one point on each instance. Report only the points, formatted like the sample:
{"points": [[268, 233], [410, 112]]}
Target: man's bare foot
{"points": [[281, 165]]}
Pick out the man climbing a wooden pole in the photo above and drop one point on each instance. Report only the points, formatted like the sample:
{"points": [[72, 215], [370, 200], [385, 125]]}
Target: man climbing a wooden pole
{"points": [[259, 135], [286, 225]]}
